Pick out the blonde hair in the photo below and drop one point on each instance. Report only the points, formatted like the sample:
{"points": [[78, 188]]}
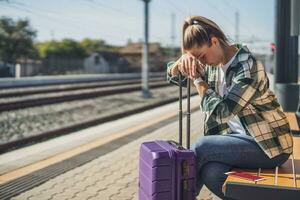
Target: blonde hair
{"points": [[198, 31]]}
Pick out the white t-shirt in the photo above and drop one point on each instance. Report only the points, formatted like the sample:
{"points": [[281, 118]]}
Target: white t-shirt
{"points": [[235, 123]]}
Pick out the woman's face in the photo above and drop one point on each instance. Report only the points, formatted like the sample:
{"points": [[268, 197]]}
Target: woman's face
{"points": [[208, 55]]}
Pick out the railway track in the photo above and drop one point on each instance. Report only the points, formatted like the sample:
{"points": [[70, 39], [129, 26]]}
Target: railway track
{"points": [[37, 96], [71, 95], [79, 126], [67, 87]]}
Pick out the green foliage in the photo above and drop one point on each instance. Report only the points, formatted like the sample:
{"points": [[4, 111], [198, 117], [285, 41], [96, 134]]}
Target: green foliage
{"points": [[67, 48], [16, 40], [94, 45], [91, 45]]}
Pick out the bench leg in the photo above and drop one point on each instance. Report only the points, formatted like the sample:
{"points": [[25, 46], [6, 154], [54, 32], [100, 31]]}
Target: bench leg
{"points": [[276, 176], [294, 171]]}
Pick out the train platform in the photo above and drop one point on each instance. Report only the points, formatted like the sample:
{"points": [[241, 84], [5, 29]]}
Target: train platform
{"points": [[70, 79], [100, 162]]}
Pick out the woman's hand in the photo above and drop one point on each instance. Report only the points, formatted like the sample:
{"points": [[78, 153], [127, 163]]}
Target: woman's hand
{"points": [[191, 67], [188, 66]]}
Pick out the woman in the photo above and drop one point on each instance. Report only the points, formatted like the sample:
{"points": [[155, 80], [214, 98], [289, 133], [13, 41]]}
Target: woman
{"points": [[244, 125]]}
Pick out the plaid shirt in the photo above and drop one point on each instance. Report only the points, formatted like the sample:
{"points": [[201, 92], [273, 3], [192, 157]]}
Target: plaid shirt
{"points": [[248, 97]]}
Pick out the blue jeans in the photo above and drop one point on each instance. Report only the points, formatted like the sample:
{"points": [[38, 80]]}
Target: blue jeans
{"points": [[217, 154]]}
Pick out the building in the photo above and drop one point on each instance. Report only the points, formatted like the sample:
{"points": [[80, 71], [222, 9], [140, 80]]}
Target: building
{"points": [[106, 62], [133, 53], [6, 70], [29, 67]]}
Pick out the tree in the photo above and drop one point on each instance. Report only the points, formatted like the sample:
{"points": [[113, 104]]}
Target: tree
{"points": [[67, 48], [16, 40], [94, 45], [72, 48], [91, 45]]}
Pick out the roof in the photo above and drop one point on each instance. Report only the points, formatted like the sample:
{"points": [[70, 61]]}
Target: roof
{"points": [[28, 61], [137, 48], [112, 58], [109, 55]]}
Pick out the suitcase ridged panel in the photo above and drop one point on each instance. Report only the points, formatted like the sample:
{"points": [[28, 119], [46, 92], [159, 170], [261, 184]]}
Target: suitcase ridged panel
{"points": [[155, 172], [160, 173]]}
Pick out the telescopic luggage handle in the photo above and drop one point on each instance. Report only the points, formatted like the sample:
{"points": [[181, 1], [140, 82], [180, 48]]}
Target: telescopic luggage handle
{"points": [[188, 113]]}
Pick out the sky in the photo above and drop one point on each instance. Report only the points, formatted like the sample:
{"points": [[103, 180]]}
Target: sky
{"points": [[118, 21]]}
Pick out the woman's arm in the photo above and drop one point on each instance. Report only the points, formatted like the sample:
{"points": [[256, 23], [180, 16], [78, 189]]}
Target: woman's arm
{"points": [[245, 87], [173, 72], [173, 68], [201, 88]]}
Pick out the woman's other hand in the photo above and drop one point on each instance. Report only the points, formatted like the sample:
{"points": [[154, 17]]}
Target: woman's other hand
{"points": [[176, 68], [188, 66], [191, 67]]}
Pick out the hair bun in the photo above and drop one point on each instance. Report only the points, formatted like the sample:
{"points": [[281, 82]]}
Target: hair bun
{"points": [[195, 22], [192, 21]]}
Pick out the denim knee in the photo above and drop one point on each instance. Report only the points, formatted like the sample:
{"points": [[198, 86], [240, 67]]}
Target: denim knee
{"points": [[204, 144], [212, 175], [200, 148], [209, 175]]}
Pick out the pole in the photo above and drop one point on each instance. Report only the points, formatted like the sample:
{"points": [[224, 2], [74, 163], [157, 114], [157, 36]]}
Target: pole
{"points": [[286, 70], [237, 21], [295, 31], [17, 71], [173, 37], [145, 67], [295, 18]]}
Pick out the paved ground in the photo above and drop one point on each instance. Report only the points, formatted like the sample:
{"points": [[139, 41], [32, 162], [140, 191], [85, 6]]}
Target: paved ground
{"points": [[113, 176]]}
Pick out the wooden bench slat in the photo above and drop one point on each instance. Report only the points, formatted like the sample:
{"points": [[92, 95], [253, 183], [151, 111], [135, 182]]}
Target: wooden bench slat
{"points": [[293, 121], [296, 148]]}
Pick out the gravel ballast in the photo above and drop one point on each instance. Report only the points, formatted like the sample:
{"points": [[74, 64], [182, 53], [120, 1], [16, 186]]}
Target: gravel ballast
{"points": [[28, 122]]}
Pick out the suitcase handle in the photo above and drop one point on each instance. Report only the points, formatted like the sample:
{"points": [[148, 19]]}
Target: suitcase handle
{"points": [[175, 144], [188, 114]]}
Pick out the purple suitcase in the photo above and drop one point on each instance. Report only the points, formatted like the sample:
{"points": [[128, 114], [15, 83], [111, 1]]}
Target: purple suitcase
{"points": [[166, 169]]}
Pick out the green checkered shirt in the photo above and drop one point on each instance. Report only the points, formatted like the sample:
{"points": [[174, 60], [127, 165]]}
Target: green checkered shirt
{"points": [[248, 97]]}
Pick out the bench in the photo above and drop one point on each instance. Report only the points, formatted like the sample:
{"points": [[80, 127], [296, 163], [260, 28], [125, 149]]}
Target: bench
{"points": [[286, 187], [294, 121]]}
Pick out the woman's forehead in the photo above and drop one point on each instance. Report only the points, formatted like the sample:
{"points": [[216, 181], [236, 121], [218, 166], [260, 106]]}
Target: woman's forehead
{"points": [[197, 50]]}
